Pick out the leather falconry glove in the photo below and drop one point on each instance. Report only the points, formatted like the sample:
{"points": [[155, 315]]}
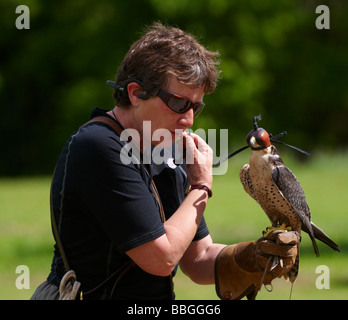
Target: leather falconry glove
{"points": [[240, 268]]}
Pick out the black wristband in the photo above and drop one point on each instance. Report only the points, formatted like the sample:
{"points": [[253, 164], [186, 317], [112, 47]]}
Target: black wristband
{"points": [[201, 187]]}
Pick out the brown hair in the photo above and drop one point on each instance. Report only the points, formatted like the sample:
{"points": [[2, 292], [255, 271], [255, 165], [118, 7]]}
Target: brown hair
{"points": [[164, 51]]}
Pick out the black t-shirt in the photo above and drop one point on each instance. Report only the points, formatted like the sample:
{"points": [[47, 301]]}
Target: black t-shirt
{"points": [[104, 208]]}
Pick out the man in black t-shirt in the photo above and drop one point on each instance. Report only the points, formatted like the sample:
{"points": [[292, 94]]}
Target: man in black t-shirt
{"points": [[127, 219], [106, 208]]}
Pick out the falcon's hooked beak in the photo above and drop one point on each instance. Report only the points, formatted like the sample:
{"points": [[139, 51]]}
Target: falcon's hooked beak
{"points": [[258, 139]]}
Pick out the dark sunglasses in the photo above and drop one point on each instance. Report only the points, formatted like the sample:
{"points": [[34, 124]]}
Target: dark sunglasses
{"points": [[179, 104], [173, 101]]}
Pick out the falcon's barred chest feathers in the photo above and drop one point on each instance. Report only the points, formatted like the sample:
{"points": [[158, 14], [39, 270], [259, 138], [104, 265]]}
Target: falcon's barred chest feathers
{"points": [[258, 180], [278, 192]]}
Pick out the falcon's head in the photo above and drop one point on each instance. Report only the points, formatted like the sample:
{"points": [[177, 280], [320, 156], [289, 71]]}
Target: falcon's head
{"points": [[258, 139]]}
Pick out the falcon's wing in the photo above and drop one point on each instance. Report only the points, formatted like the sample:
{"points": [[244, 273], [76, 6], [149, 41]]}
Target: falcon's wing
{"points": [[288, 184], [291, 189]]}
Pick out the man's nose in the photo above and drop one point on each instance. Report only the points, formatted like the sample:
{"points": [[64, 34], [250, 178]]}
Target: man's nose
{"points": [[186, 119]]}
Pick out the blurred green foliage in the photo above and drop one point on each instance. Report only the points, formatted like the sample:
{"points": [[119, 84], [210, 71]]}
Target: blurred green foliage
{"points": [[274, 61]]}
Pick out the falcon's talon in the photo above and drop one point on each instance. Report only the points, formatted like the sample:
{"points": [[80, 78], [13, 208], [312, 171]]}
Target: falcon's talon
{"points": [[281, 263], [271, 229], [274, 263]]}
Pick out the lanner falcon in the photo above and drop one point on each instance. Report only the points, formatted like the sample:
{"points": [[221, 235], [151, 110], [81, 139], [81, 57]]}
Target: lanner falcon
{"points": [[278, 192]]}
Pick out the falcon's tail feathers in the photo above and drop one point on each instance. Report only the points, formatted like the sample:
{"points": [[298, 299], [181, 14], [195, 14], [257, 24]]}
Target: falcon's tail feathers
{"points": [[308, 227], [320, 235], [315, 246]]}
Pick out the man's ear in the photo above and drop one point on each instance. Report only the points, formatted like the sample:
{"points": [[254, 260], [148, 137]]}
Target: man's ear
{"points": [[135, 93]]}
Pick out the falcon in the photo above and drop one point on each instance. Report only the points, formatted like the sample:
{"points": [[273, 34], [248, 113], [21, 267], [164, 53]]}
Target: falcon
{"points": [[279, 193]]}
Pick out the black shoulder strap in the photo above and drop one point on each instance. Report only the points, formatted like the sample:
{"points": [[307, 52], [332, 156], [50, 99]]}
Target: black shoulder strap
{"points": [[110, 122], [56, 232]]}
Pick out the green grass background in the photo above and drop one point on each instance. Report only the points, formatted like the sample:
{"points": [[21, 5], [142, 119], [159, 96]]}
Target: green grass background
{"points": [[232, 216]]}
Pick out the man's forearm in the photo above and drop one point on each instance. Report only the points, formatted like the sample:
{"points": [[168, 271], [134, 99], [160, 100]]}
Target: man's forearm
{"points": [[201, 268]]}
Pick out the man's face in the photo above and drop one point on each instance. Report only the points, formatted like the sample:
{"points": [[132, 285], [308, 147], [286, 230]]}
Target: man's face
{"points": [[165, 120]]}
